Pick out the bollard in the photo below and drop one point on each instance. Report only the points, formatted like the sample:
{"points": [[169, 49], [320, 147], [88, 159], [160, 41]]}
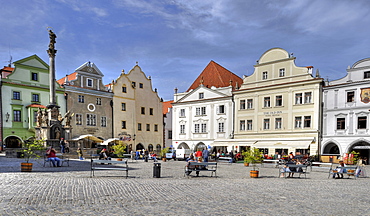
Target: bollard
{"points": [[156, 170]]}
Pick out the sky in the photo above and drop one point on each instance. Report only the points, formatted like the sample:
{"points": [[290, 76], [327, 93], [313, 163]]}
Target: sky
{"points": [[174, 40]]}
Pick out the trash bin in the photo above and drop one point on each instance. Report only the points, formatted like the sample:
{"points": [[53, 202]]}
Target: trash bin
{"points": [[146, 158], [157, 170]]}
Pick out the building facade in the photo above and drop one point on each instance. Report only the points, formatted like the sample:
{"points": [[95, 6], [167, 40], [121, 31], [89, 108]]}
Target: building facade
{"points": [[346, 113], [204, 112], [167, 123], [138, 117], [90, 102], [25, 89], [277, 108]]}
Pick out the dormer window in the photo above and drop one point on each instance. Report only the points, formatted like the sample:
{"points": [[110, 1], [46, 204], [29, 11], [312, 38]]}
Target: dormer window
{"points": [[282, 72], [366, 74], [264, 75], [89, 83]]}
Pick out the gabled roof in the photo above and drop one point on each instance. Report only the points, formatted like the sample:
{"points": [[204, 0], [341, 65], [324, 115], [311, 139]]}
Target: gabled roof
{"points": [[217, 76], [70, 77], [166, 105], [6, 71]]}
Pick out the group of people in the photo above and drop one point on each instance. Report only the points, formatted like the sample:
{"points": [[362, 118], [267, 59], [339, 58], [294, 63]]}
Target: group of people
{"points": [[360, 169]]}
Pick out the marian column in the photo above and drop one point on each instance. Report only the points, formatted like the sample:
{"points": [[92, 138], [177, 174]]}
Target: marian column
{"points": [[53, 107]]}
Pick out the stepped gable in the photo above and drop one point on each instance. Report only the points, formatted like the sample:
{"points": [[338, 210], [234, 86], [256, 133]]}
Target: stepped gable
{"points": [[217, 76]]}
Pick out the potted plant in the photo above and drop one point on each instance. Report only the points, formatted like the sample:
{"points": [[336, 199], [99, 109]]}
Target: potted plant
{"points": [[252, 156], [163, 153], [31, 149], [119, 150]]}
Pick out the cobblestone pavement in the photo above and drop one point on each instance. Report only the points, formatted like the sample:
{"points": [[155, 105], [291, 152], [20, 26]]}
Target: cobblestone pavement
{"points": [[71, 191]]}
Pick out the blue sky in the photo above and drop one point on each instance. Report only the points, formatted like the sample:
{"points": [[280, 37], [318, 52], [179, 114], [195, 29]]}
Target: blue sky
{"points": [[174, 40]]}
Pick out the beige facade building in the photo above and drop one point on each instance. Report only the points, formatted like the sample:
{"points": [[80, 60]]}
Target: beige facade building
{"points": [[277, 108], [138, 117], [90, 102]]}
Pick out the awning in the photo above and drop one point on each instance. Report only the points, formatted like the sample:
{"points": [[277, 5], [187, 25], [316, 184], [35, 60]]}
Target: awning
{"points": [[282, 144], [106, 142], [89, 137]]}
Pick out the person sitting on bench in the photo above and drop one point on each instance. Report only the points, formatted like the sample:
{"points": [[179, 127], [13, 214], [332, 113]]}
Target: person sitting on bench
{"points": [[51, 154]]}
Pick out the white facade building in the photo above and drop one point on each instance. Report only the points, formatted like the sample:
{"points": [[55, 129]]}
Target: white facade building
{"points": [[346, 113], [204, 113]]}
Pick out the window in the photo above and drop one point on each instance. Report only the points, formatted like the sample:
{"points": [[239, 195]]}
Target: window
{"points": [[155, 127], [298, 122], [264, 75], [34, 77], [35, 98], [182, 112], [341, 123], [282, 72], [147, 127], [98, 101], [249, 125], [266, 124], [221, 127], [89, 83], [201, 95], [16, 95], [279, 100], [278, 123], [298, 98], [242, 104], [150, 111], [78, 119], [250, 104], [81, 98], [123, 124], [124, 89], [307, 97], [266, 102], [242, 125], [182, 129], [362, 122], [307, 121], [34, 116], [351, 96], [170, 134], [366, 74], [143, 110], [91, 120], [196, 128], [133, 84], [139, 126], [141, 85], [123, 106], [221, 109], [204, 128], [203, 110], [17, 115], [103, 122]]}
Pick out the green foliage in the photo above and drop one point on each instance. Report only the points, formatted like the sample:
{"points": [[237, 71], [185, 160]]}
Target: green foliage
{"points": [[355, 156], [164, 151], [252, 156], [119, 149], [30, 148]]}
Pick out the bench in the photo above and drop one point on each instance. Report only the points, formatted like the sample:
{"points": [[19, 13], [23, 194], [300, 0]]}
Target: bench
{"points": [[60, 156], [293, 168], [200, 167], [108, 165], [271, 161], [348, 170]]}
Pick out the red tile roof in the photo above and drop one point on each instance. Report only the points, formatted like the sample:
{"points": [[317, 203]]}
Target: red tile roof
{"points": [[6, 71], [217, 76], [70, 77], [166, 105], [37, 106]]}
